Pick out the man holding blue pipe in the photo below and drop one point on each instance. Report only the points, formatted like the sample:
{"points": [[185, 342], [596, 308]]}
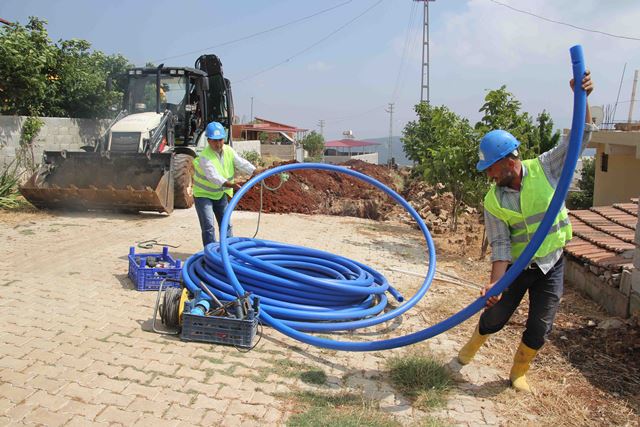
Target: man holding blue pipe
{"points": [[513, 210], [213, 181]]}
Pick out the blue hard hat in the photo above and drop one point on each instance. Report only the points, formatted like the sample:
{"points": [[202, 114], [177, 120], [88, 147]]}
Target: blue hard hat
{"points": [[495, 145], [215, 131]]}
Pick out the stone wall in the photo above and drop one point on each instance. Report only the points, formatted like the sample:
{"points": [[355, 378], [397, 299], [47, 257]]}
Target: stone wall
{"points": [[283, 152], [56, 134], [634, 275], [242, 146], [369, 158]]}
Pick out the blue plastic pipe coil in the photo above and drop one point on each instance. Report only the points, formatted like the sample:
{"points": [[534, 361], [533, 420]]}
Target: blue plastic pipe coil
{"points": [[292, 279]]}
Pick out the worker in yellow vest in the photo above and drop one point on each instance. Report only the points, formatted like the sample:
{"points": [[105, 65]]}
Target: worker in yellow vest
{"points": [[513, 209], [213, 181]]}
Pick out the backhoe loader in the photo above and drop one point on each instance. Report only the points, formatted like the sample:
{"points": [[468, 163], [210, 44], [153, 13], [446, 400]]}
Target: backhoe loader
{"points": [[144, 160]]}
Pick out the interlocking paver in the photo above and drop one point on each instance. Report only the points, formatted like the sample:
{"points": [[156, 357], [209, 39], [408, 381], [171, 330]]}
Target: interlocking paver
{"points": [[172, 396], [9, 362], [135, 375], [14, 393], [141, 404], [104, 369], [149, 421], [82, 409], [186, 414], [116, 415], [19, 411], [205, 402], [81, 393], [112, 399], [191, 373], [79, 421], [98, 364], [43, 416], [134, 389]]}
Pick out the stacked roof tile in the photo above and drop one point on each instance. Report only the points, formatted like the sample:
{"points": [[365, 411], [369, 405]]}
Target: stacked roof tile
{"points": [[604, 235]]}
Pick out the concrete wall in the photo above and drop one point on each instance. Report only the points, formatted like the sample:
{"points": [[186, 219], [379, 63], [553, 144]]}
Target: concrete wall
{"points": [[369, 158], [283, 152], [622, 168], [623, 149], [243, 146], [56, 134]]}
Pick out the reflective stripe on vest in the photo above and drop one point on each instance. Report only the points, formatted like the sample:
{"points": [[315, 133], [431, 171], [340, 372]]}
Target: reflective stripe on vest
{"points": [[203, 187], [535, 195]]}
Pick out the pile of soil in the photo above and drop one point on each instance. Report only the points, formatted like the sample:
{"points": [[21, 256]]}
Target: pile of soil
{"points": [[332, 193], [326, 192]]}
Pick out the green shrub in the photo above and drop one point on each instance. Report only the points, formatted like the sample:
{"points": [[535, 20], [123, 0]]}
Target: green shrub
{"points": [[253, 157]]}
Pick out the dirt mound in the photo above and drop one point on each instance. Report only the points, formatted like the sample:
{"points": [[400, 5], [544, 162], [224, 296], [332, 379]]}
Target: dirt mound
{"points": [[326, 192], [332, 193]]}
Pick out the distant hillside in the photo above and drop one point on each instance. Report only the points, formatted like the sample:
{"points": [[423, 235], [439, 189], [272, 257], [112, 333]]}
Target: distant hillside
{"points": [[396, 150], [401, 159]]}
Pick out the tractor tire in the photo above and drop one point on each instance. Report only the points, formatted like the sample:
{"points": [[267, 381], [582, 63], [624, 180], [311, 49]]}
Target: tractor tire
{"points": [[183, 181]]}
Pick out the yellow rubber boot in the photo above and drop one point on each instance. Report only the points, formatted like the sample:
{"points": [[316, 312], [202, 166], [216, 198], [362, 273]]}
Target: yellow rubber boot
{"points": [[521, 362], [466, 353]]}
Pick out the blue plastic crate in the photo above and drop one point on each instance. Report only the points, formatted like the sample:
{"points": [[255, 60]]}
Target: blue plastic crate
{"points": [[219, 330], [149, 278]]}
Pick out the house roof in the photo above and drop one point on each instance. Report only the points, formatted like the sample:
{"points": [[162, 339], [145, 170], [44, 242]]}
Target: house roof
{"points": [[271, 122], [268, 126], [603, 236], [345, 143]]}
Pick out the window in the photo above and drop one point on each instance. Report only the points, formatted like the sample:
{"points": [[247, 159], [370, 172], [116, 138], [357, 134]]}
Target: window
{"points": [[604, 163]]}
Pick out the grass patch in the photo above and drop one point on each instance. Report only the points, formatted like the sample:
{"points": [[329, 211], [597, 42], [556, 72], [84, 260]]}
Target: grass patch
{"points": [[321, 417], [429, 421], [423, 379], [314, 376], [287, 368], [343, 409]]}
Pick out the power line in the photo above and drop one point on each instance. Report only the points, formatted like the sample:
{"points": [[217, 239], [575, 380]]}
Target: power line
{"points": [[295, 21], [342, 119], [407, 42], [564, 23], [311, 46]]}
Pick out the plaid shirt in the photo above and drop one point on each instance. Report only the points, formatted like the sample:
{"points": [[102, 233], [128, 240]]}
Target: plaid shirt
{"points": [[498, 232]]}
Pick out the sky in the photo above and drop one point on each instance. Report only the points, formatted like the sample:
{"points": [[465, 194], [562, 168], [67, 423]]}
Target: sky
{"points": [[344, 61]]}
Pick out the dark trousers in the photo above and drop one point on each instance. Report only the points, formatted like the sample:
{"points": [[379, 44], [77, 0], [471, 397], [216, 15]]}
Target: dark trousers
{"points": [[207, 209], [545, 291]]}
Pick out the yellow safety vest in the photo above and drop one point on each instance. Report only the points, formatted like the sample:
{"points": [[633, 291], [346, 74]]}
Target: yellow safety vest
{"points": [[203, 187], [535, 195]]}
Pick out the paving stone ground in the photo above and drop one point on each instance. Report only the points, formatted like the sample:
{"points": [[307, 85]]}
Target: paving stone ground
{"points": [[77, 348]]}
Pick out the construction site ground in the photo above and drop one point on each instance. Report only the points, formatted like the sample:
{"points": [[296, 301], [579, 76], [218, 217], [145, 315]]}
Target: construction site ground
{"points": [[77, 347]]}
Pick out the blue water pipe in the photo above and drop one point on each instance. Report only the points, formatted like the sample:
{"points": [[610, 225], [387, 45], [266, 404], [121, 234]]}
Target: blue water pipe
{"points": [[288, 277]]}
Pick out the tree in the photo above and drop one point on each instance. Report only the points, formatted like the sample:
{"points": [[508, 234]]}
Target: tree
{"points": [[502, 111], [26, 68], [583, 199], [313, 143], [67, 79], [445, 147]]}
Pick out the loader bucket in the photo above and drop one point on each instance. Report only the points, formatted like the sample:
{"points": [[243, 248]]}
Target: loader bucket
{"points": [[109, 181]]}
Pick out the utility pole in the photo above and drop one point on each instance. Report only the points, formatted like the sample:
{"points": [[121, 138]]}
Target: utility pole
{"points": [[321, 124], [390, 111], [633, 96], [251, 117], [425, 52]]}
